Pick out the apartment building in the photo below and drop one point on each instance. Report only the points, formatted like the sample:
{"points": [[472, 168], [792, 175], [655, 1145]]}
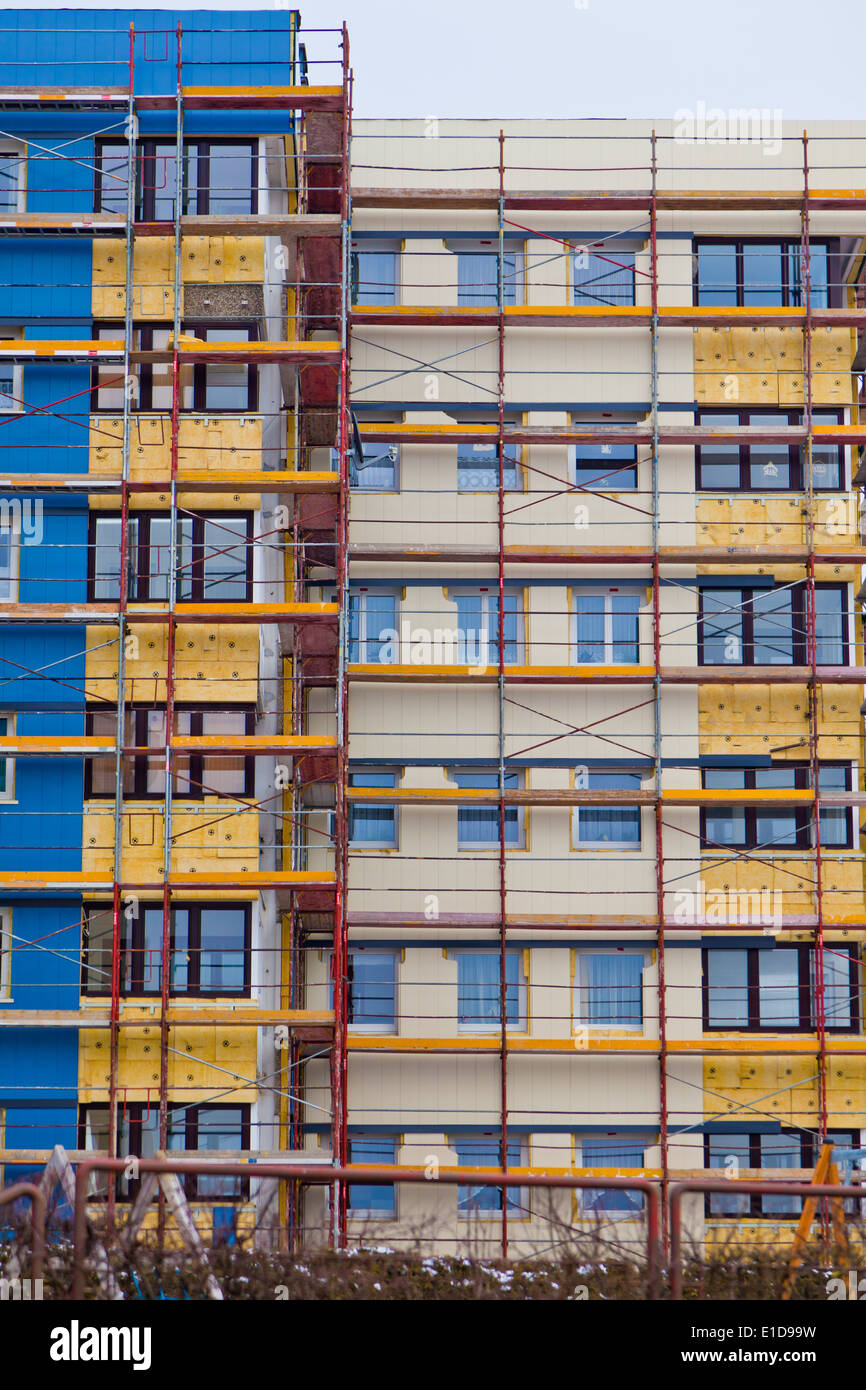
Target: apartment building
{"points": [[153, 206], [432, 646], [605, 883]]}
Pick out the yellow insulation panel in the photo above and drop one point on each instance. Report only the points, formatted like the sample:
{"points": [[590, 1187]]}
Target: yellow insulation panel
{"points": [[764, 366], [212, 834], [770, 520], [204, 260], [763, 718], [233, 1049], [216, 663], [213, 444]]}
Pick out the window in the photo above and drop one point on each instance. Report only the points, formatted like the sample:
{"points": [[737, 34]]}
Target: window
{"points": [[763, 273], [374, 272], [603, 466], [478, 990], [769, 627], [373, 633], [214, 387], [478, 468], [609, 989], [366, 1199], [377, 470], [606, 626], [214, 558], [610, 1151], [194, 774], [373, 825], [478, 461], [775, 827], [478, 827], [373, 990], [485, 1152], [11, 374], [5, 954], [603, 275], [214, 1129], [612, 826], [773, 989], [219, 176], [477, 615], [11, 180], [478, 273], [7, 765], [229, 386], [768, 467], [788, 1149], [210, 950]]}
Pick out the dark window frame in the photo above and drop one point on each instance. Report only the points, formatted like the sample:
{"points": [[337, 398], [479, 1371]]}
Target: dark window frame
{"points": [[133, 939], [803, 815], [809, 1154], [146, 190], [143, 402], [136, 1111], [793, 416], [807, 1022], [139, 574], [834, 288], [799, 650], [137, 791]]}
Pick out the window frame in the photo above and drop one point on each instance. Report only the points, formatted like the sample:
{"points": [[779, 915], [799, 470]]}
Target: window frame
{"points": [[6, 948], [596, 250], [805, 955], [622, 846], [486, 594], [519, 813], [374, 1028], [7, 792], [475, 246], [376, 246], [139, 576], [127, 1189], [514, 1200], [610, 1203], [146, 190], [577, 591], [579, 988], [137, 716], [193, 393], [519, 1024], [368, 846], [12, 334], [799, 643], [362, 595], [132, 943], [19, 155], [792, 416], [385, 1142], [788, 244], [802, 814], [754, 1203]]}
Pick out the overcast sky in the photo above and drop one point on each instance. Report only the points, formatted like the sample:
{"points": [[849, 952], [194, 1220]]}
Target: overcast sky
{"points": [[498, 58]]}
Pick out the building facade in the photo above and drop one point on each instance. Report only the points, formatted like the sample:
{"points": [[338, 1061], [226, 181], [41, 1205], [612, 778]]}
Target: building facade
{"points": [[431, 639]]}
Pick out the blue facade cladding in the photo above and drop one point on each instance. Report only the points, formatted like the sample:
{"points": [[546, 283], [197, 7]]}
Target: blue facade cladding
{"points": [[90, 48], [46, 294]]}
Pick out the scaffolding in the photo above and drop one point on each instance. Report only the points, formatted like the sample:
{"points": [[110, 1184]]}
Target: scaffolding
{"points": [[323, 398], [505, 200], [312, 232]]}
